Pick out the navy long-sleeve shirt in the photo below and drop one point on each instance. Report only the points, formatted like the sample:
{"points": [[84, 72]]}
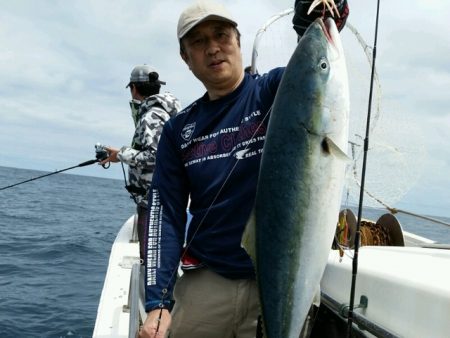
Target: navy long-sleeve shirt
{"points": [[211, 153]]}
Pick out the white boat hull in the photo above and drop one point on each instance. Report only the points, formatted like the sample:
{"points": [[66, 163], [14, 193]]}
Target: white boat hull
{"points": [[113, 314], [408, 288]]}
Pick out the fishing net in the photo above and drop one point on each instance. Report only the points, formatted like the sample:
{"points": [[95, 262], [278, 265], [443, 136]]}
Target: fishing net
{"points": [[394, 164]]}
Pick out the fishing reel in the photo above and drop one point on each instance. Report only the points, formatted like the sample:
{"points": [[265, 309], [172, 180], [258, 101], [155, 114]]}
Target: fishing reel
{"points": [[101, 154]]}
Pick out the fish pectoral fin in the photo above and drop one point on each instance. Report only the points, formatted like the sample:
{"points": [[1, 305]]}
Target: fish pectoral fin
{"points": [[331, 148], [248, 237]]}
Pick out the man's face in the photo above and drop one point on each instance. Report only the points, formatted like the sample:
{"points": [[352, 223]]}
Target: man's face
{"points": [[212, 52]]}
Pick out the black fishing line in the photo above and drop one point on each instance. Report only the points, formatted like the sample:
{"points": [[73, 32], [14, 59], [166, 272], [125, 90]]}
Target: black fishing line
{"points": [[361, 193]]}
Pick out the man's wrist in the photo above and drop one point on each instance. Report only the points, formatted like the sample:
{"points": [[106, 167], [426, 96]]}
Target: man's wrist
{"points": [[154, 305]]}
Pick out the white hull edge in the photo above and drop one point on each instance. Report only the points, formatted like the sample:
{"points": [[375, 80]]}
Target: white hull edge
{"points": [[408, 288], [113, 315]]}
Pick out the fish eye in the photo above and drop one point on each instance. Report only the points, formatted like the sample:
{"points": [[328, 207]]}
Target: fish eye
{"points": [[323, 64]]}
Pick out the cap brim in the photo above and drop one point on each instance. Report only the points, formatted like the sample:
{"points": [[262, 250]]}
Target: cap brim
{"points": [[157, 81], [210, 17]]}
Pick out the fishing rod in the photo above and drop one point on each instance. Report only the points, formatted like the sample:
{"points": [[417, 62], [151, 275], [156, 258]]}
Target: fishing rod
{"points": [[361, 193], [100, 154]]}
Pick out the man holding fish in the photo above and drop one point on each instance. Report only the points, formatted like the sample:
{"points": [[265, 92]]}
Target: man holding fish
{"points": [[211, 153]]}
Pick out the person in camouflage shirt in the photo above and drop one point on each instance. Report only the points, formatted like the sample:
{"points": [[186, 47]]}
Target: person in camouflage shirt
{"points": [[150, 110]]}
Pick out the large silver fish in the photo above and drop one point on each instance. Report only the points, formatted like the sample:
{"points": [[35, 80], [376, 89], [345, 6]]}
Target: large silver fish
{"points": [[290, 232]]}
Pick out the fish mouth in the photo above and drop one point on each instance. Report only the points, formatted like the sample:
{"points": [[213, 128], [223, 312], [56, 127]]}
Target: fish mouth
{"points": [[331, 33], [329, 29]]}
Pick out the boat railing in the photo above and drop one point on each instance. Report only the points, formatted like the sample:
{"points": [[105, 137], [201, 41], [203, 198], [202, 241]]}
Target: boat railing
{"points": [[341, 310], [135, 304], [134, 234], [133, 300]]}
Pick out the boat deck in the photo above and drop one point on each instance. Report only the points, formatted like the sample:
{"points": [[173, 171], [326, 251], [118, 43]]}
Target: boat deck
{"points": [[405, 297]]}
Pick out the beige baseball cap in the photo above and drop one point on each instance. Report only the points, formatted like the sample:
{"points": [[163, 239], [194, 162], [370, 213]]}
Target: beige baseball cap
{"points": [[200, 11]]}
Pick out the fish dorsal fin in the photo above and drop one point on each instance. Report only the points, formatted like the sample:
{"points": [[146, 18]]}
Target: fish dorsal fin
{"points": [[331, 148], [248, 237]]}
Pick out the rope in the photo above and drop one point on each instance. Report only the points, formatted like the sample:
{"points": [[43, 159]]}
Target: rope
{"points": [[374, 234]]}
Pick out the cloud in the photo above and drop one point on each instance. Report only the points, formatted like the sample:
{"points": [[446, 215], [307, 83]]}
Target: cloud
{"points": [[64, 67]]}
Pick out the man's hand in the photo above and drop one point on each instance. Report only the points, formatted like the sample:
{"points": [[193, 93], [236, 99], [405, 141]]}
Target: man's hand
{"points": [[156, 325], [306, 11], [112, 152]]}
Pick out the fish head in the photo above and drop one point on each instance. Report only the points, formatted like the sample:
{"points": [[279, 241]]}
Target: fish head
{"points": [[322, 78]]}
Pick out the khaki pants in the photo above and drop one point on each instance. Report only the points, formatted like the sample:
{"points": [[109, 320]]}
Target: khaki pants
{"points": [[208, 305]]}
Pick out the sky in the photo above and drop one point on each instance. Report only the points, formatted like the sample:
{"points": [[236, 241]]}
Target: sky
{"points": [[64, 66]]}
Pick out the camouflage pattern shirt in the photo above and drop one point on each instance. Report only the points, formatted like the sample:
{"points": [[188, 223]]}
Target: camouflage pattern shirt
{"points": [[140, 157]]}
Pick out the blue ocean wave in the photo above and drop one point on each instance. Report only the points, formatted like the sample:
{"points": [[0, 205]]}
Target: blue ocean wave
{"points": [[56, 238]]}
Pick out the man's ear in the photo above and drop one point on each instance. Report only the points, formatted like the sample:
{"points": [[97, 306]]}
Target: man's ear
{"points": [[185, 58]]}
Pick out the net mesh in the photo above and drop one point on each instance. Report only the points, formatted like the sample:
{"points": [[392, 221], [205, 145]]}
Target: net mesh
{"points": [[393, 165]]}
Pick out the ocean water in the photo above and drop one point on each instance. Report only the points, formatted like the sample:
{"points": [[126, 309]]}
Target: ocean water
{"points": [[56, 236]]}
